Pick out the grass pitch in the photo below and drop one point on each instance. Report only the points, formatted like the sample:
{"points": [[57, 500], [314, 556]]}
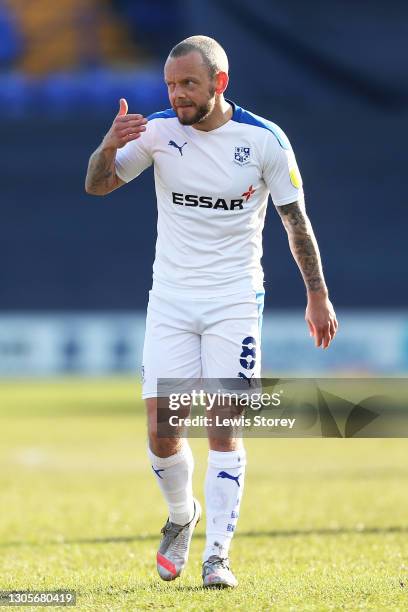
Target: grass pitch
{"points": [[323, 524]]}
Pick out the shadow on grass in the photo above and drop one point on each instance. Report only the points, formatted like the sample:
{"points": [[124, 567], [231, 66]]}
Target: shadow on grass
{"points": [[281, 533]]}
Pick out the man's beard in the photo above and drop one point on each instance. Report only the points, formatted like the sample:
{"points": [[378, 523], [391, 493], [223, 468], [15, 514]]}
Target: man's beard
{"points": [[201, 112]]}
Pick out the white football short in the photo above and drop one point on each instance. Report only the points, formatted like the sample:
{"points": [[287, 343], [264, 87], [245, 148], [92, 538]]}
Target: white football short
{"points": [[197, 338]]}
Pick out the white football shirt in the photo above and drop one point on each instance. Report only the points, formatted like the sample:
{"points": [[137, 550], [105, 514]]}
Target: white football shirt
{"points": [[212, 190]]}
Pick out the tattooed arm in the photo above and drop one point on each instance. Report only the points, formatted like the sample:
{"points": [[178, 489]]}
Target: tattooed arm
{"points": [[101, 177], [320, 315]]}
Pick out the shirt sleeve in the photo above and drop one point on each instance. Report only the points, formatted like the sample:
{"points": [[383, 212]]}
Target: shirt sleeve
{"points": [[280, 172], [134, 157]]}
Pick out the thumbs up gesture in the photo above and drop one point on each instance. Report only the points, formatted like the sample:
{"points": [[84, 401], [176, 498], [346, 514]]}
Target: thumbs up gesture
{"points": [[125, 127]]}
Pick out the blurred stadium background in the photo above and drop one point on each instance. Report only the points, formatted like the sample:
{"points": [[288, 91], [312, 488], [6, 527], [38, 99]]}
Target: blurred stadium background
{"points": [[323, 521], [76, 269]]}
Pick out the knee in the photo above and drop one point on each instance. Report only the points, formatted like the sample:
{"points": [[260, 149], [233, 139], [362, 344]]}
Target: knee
{"points": [[159, 445], [163, 447]]}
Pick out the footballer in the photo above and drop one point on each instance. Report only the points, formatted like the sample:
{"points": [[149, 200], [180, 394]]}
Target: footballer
{"points": [[215, 165]]}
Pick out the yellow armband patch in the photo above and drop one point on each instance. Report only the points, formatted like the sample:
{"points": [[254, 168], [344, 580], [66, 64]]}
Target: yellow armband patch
{"points": [[295, 178]]}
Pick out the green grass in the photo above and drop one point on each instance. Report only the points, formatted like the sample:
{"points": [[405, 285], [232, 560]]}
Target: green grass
{"points": [[323, 525]]}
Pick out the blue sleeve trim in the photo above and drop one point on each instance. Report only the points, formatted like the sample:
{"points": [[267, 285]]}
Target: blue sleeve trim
{"points": [[165, 114], [240, 115]]}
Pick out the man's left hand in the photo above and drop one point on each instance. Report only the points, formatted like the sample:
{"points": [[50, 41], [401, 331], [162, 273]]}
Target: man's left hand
{"points": [[321, 319]]}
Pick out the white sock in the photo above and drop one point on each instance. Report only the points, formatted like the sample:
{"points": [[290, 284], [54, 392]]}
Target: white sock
{"points": [[174, 476], [224, 485]]}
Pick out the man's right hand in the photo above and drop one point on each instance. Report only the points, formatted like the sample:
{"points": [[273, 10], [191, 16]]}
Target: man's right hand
{"points": [[124, 128], [101, 177]]}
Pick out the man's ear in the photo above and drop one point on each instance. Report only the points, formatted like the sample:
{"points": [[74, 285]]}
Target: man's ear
{"points": [[221, 82]]}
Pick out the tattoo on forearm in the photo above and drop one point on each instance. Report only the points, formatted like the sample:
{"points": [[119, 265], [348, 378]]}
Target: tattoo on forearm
{"points": [[100, 171], [303, 245]]}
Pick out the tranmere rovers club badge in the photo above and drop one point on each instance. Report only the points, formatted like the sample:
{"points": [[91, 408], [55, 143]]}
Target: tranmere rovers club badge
{"points": [[242, 155]]}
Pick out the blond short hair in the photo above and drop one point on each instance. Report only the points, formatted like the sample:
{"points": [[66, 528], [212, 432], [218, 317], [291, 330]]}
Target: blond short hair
{"points": [[210, 50]]}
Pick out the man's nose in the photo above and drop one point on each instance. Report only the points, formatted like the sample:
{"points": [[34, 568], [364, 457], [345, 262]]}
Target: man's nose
{"points": [[179, 92]]}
